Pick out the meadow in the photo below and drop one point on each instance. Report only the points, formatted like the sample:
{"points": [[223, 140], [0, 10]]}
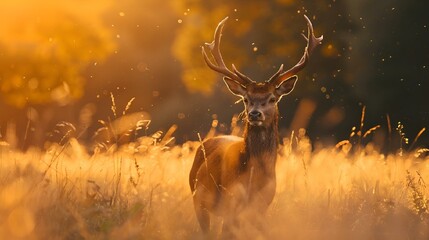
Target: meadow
{"points": [[139, 190]]}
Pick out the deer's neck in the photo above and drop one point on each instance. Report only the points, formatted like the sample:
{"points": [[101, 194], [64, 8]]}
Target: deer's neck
{"points": [[261, 146]]}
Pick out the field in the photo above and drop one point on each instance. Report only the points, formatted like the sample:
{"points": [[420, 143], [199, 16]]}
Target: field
{"points": [[140, 191]]}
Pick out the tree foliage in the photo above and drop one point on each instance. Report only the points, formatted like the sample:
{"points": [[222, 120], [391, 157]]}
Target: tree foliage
{"points": [[44, 47]]}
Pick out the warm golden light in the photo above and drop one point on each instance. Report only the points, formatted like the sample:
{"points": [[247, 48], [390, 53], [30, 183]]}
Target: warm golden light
{"points": [[21, 222], [103, 104], [46, 46]]}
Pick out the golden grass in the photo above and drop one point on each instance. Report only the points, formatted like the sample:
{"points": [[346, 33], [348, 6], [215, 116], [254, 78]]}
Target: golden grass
{"points": [[140, 191]]}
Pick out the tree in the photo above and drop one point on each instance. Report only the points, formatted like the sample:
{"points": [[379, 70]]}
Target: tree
{"points": [[44, 48]]}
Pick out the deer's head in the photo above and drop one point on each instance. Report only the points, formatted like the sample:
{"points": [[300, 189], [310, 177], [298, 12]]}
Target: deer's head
{"points": [[260, 98]]}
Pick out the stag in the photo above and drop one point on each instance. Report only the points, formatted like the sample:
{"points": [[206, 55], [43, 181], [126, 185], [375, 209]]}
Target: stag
{"points": [[230, 174]]}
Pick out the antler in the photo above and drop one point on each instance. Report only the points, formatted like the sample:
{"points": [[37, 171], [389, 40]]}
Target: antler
{"points": [[312, 43], [219, 65]]}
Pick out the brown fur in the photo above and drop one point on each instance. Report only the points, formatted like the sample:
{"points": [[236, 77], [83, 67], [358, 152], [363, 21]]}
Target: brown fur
{"points": [[231, 175], [235, 177]]}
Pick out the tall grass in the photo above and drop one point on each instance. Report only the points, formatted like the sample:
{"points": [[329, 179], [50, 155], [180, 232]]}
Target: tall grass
{"points": [[140, 191]]}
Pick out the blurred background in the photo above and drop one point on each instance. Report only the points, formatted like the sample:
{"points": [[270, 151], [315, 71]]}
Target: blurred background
{"points": [[77, 62]]}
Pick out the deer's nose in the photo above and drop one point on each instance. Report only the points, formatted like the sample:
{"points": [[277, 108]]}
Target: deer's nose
{"points": [[254, 115]]}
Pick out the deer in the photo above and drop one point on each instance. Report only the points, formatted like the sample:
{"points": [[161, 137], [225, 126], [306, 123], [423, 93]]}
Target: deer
{"points": [[233, 175]]}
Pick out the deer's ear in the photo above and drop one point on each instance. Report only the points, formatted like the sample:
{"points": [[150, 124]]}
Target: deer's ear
{"points": [[287, 86], [234, 87]]}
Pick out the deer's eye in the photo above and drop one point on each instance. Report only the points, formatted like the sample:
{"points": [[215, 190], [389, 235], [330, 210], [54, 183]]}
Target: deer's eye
{"points": [[245, 100], [272, 100]]}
